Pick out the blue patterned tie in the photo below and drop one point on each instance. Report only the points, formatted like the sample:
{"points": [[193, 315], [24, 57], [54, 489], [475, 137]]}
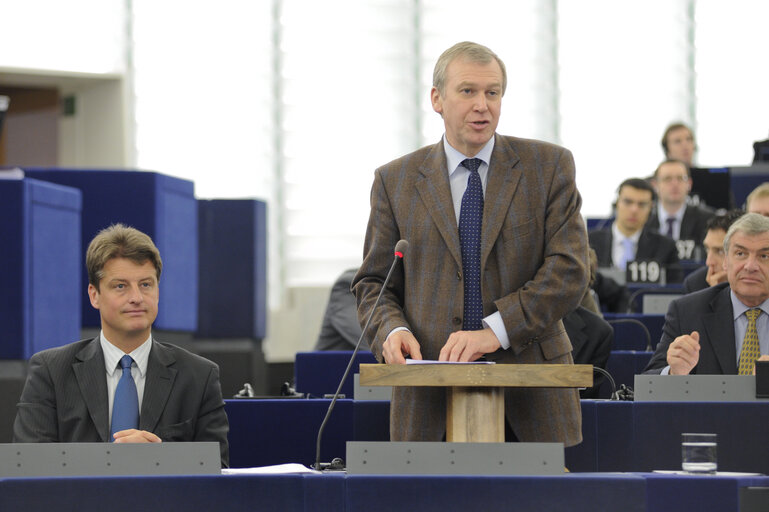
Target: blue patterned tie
{"points": [[470, 220], [125, 408]]}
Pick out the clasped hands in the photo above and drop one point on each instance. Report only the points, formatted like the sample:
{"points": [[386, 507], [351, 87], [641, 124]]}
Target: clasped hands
{"points": [[462, 346], [133, 435]]}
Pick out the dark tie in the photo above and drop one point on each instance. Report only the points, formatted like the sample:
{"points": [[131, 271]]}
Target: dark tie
{"points": [[125, 408], [470, 220], [671, 221]]}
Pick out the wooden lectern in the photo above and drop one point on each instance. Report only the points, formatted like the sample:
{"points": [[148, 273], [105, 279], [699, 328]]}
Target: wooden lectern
{"points": [[475, 398]]}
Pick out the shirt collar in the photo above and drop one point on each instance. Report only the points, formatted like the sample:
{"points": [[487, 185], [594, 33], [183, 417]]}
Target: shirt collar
{"points": [[663, 215], [454, 158], [739, 308], [112, 354], [618, 236]]}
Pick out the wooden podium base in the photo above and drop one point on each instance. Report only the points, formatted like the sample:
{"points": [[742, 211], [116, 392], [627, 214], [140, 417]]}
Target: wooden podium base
{"points": [[475, 415]]}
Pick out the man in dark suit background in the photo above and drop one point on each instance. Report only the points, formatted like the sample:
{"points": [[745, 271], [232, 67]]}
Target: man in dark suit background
{"points": [[673, 216], [71, 393], [498, 290], [713, 272], [340, 329], [626, 239], [725, 328]]}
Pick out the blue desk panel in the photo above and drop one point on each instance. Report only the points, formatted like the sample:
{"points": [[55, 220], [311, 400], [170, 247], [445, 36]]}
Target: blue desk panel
{"points": [[338, 492], [624, 365], [628, 335], [319, 373], [269, 432], [161, 206], [233, 268], [40, 282]]}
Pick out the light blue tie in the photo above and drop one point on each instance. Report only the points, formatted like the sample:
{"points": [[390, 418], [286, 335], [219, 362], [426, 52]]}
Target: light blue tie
{"points": [[628, 253], [125, 408], [470, 223]]}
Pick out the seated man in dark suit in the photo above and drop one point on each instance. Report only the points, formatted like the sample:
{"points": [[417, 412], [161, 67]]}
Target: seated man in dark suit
{"points": [[673, 216], [713, 272], [591, 339], [758, 200], [122, 386], [340, 329], [723, 329], [626, 239]]}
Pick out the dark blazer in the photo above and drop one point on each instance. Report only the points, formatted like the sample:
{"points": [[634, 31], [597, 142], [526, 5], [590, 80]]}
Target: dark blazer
{"points": [[65, 397], [340, 329], [710, 313], [651, 247], [591, 338], [693, 224], [533, 272], [695, 281]]}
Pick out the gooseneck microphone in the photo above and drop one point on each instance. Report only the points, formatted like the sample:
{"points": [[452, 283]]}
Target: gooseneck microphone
{"points": [[400, 249]]}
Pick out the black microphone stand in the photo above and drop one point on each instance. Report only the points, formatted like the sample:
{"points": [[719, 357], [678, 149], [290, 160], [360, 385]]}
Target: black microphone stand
{"points": [[318, 466]]}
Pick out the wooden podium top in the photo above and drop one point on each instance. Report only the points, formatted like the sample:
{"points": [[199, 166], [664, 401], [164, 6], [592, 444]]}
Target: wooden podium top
{"points": [[478, 375]]}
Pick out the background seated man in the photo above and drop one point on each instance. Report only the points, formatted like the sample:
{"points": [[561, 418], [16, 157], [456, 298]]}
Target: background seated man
{"points": [[626, 239], [678, 143], [713, 272], [723, 329], [673, 216], [758, 200], [340, 329], [122, 386]]}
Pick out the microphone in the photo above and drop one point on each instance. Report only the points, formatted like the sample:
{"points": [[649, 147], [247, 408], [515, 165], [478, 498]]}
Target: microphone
{"points": [[400, 249]]}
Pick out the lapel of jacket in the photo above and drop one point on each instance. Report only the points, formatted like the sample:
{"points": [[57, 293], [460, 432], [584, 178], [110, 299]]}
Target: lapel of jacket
{"points": [[719, 325], [434, 190], [500, 188], [688, 222], [90, 373], [157, 385]]}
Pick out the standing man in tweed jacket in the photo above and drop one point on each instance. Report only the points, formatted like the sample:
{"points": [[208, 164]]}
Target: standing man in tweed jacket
{"points": [[527, 270]]}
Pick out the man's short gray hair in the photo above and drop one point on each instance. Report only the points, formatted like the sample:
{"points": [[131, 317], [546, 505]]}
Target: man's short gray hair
{"points": [[473, 52], [750, 224]]}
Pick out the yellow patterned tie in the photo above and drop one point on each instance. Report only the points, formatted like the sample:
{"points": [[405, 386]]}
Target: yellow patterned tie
{"points": [[750, 349]]}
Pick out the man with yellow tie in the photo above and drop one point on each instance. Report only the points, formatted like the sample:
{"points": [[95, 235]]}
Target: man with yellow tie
{"points": [[725, 328]]}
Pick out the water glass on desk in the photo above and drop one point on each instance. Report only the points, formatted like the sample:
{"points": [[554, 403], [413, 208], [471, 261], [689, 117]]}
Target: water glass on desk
{"points": [[698, 453]]}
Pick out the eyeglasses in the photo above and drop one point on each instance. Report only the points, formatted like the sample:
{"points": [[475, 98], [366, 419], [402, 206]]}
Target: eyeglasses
{"points": [[670, 179], [629, 202]]}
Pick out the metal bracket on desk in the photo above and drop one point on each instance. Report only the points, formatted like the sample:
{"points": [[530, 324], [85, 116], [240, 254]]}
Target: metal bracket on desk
{"points": [[370, 392], [434, 458], [109, 459], [696, 388]]}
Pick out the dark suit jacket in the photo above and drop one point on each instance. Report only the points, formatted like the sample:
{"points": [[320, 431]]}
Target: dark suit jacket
{"points": [[710, 313], [65, 397], [340, 329], [533, 271], [695, 281], [651, 247], [693, 224], [591, 338]]}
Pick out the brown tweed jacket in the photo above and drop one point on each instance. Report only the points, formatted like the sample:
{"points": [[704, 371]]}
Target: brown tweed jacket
{"points": [[534, 271]]}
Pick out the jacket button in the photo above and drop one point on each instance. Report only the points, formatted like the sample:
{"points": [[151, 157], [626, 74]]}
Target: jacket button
{"points": [[457, 320], [459, 275]]}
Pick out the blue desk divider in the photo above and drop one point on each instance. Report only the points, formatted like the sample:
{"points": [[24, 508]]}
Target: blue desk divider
{"points": [[319, 373], [624, 365], [629, 335], [161, 206], [233, 268], [41, 261]]}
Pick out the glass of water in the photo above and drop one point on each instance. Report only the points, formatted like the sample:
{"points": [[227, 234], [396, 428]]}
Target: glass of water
{"points": [[698, 453]]}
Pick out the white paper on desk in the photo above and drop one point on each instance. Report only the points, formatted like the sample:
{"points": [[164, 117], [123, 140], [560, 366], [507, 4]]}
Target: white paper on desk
{"points": [[717, 473], [280, 469], [432, 361]]}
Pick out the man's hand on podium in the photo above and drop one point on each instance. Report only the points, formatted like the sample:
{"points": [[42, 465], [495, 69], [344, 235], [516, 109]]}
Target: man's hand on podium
{"points": [[398, 345], [466, 346], [136, 436]]}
